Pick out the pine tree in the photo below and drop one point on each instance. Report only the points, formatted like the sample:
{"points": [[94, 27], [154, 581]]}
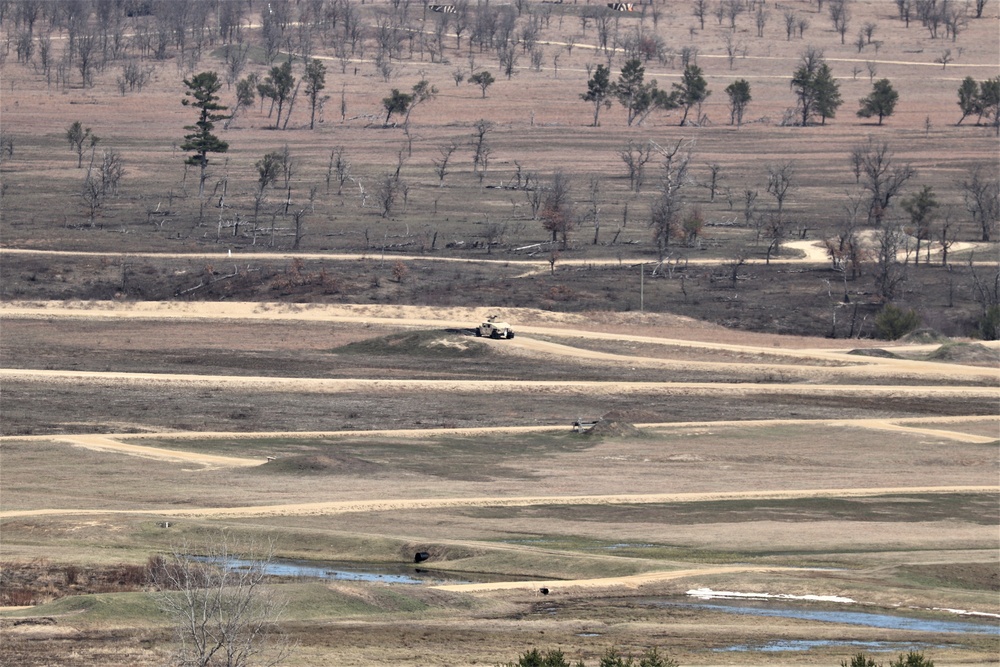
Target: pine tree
{"points": [[881, 102], [739, 98], [315, 77], [599, 89], [692, 90], [201, 94]]}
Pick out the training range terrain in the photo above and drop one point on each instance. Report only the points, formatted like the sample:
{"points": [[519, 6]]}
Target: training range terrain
{"points": [[775, 466], [251, 363]]}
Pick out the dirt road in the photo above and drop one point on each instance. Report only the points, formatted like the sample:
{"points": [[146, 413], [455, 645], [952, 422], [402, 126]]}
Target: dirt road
{"points": [[858, 367], [632, 581], [813, 252], [118, 442], [352, 506], [884, 370]]}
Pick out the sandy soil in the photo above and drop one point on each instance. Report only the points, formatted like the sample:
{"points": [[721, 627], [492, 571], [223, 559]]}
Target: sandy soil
{"points": [[863, 367], [117, 442]]}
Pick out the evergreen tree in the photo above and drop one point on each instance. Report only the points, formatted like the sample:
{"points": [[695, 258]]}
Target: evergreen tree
{"points": [[692, 90], [881, 102], [599, 89], [277, 87], [817, 91], [828, 97], [397, 102], [921, 207], [989, 101], [739, 97], [638, 97], [201, 94], [968, 98], [315, 77]]}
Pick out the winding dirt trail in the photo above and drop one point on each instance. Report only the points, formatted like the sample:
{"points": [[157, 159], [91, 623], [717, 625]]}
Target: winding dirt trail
{"points": [[118, 442], [105, 443], [849, 366], [812, 251], [548, 387], [356, 506], [867, 367], [629, 581]]}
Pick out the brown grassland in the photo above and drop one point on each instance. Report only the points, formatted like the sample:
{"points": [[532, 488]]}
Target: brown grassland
{"points": [[172, 370]]}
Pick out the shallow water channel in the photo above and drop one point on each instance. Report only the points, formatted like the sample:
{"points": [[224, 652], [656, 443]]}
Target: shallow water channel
{"points": [[848, 617], [386, 573], [863, 618]]}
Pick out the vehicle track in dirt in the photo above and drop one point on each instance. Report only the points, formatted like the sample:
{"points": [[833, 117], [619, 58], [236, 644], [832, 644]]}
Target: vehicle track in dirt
{"points": [[813, 252], [445, 319], [406, 504], [547, 387], [440, 318], [118, 442]]}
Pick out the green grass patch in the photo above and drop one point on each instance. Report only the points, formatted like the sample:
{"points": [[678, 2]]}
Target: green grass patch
{"points": [[306, 601], [103, 608], [460, 458], [965, 576], [974, 508]]}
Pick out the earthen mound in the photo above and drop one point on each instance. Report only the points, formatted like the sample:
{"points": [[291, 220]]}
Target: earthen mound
{"points": [[969, 354]]}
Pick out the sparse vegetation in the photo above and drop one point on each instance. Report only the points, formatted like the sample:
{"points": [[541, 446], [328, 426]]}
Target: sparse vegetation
{"points": [[236, 354]]}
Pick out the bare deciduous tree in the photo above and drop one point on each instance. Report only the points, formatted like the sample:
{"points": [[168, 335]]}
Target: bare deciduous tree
{"points": [[77, 136], [480, 146], [790, 20], [102, 181], [338, 167], [981, 192], [749, 205], [840, 15], [441, 164], [557, 209], [387, 191], [882, 176], [635, 156], [775, 229], [889, 273], [665, 213], [700, 9], [779, 181], [223, 611]]}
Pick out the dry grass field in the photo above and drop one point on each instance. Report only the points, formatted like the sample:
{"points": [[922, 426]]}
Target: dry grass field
{"points": [[169, 377]]}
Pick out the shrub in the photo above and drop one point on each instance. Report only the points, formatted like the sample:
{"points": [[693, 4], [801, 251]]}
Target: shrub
{"points": [[912, 659], [535, 658], [989, 324], [611, 658], [894, 322]]}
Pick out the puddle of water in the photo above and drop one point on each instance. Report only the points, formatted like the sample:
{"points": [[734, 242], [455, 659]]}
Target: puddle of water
{"points": [[867, 619], [348, 571], [781, 645]]}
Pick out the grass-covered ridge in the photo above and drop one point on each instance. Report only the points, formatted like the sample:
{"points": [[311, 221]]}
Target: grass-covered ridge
{"points": [[434, 344]]}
